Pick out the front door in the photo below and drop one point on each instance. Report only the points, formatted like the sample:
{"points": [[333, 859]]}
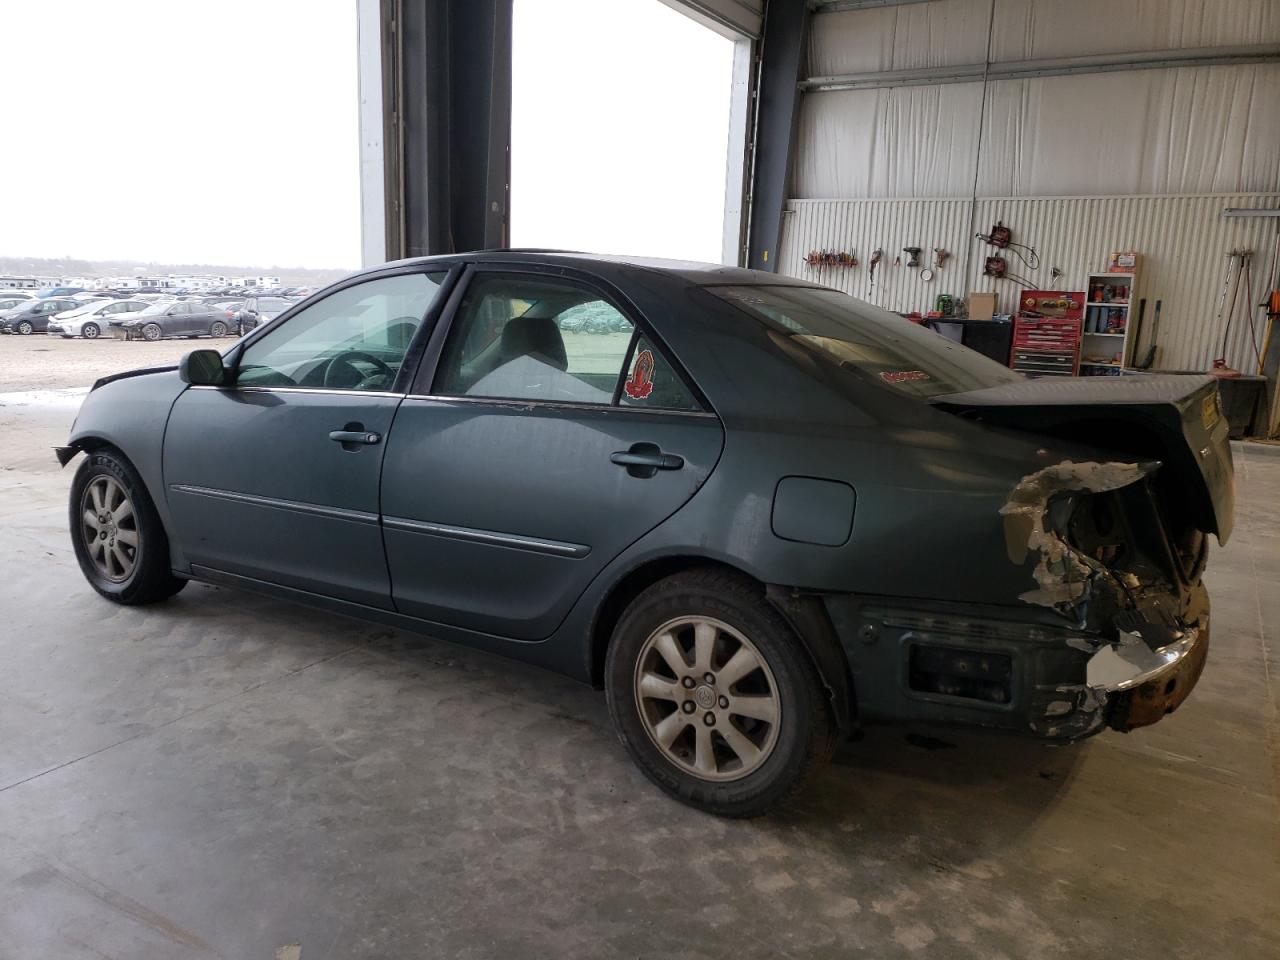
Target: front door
{"points": [[275, 477], [555, 435]]}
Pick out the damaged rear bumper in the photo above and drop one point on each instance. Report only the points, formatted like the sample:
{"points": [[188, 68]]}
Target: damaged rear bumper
{"points": [[945, 665], [1140, 685]]}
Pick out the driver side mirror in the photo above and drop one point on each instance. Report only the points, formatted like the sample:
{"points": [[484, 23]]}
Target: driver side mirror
{"points": [[203, 368]]}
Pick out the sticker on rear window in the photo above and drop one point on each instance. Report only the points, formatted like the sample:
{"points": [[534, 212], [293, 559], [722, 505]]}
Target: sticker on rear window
{"points": [[640, 384], [903, 376]]}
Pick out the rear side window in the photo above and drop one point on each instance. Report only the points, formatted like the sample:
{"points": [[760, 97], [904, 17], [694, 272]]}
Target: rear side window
{"points": [[652, 383], [521, 337]]}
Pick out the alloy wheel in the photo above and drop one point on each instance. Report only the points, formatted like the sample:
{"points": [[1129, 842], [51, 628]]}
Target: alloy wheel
{"points": [[707, 698], [152, 331], [109, 526], [25, 328], [90, 331]]}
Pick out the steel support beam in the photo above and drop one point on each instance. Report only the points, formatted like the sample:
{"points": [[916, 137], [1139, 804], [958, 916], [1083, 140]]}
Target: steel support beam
{"points": [[838, 6], [447, 134], [1055, 67], [783, 50]]}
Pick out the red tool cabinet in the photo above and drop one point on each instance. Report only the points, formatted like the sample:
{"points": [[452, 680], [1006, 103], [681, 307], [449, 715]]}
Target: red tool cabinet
{"points": [[1046, 333]]}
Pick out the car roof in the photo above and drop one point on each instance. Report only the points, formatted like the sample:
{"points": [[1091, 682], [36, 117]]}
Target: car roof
{"points": [[692, 272]]}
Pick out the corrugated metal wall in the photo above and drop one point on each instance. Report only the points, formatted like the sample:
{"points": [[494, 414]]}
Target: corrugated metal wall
{"points": [[1183, 240]]}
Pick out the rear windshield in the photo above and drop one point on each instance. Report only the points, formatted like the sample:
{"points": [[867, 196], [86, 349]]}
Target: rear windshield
{"points": [[882, 346]]}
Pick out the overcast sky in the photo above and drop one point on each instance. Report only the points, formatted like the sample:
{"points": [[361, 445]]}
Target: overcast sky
{"points": [[227, 132]]}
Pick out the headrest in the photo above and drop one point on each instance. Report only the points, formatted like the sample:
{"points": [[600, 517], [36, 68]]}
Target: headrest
{"points": [[537, 336]]}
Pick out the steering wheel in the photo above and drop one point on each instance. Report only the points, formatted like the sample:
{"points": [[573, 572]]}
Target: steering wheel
{"points": [[341, 368]]}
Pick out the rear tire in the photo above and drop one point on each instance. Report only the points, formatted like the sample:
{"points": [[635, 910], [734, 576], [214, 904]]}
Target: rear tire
{"points": [[152, 332], [91, 331], [217, 329], [732, 743], [117, 535]]}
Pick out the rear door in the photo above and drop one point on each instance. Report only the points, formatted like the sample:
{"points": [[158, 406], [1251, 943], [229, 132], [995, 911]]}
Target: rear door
{"points": [[552, 433]]}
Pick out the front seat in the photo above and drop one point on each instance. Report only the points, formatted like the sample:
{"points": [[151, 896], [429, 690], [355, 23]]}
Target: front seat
{"points": [[538, 337]]}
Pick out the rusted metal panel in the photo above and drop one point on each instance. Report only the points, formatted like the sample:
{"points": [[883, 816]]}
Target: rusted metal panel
{"points": [[1148, 703]]}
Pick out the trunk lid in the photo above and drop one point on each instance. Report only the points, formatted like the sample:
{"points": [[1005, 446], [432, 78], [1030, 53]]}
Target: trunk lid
{"points": [[1174, 419]]}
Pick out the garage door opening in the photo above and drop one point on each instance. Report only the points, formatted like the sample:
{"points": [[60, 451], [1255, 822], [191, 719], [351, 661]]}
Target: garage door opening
{"points": [[609, 154]]}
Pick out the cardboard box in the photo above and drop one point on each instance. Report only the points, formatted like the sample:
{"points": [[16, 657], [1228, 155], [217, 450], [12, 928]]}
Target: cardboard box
{"points": [[1124, 261], [982, 306]]}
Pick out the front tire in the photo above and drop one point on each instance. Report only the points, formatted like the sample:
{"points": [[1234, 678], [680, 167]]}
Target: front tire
{"points": [[713, 696], [119, 541], [25, 328], [91, 331], [152, 332]]}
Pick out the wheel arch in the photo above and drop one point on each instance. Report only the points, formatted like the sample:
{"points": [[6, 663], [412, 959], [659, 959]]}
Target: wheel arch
{"points": [[86, 444], [804, 613]]}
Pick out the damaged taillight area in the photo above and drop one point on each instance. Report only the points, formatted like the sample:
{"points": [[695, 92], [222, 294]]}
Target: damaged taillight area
{"points": [[1038, 521], [1113, 550]]}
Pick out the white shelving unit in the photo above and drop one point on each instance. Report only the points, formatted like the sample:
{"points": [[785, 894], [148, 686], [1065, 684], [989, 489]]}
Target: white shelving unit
{"points": [[1105, 348]]}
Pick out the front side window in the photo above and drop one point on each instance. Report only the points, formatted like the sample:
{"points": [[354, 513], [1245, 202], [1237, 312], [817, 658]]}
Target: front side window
{"points": [[527, 338], [354, 339]]}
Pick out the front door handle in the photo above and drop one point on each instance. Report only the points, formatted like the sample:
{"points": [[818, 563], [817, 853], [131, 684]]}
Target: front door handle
{"points": [[644, 460], [353, 436]]}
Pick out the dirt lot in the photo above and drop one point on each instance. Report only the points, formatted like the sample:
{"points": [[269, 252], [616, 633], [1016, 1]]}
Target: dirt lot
{"points": [[41, 362]]}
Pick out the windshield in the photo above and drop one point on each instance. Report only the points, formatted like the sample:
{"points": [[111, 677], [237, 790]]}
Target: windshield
{"points": [[159, 306], [858, 336]]}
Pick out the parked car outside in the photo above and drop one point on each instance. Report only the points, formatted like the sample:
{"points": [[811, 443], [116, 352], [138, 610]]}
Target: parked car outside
{"points": [[8, 303], [11, 294], [670, 515], [58, 291], [172, 318], [91, 320], [256, 311], [32, 316]]}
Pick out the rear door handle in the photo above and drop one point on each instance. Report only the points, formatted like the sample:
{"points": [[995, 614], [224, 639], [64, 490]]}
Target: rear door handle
{"points": [[353, 436], [644, 460]]}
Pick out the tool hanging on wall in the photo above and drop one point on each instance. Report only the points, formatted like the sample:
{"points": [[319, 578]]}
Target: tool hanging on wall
{"points": [[939, 257], [875, 260], [897, 261], [1002, 237], [1150, 358], [999, 236], [831, 260], [1137, 331], [1243, 275], [998, 269], [913, 256]]}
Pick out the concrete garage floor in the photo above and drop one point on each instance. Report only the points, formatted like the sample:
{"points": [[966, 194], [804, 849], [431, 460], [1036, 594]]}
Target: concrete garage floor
{"points": [[228, 776]]}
